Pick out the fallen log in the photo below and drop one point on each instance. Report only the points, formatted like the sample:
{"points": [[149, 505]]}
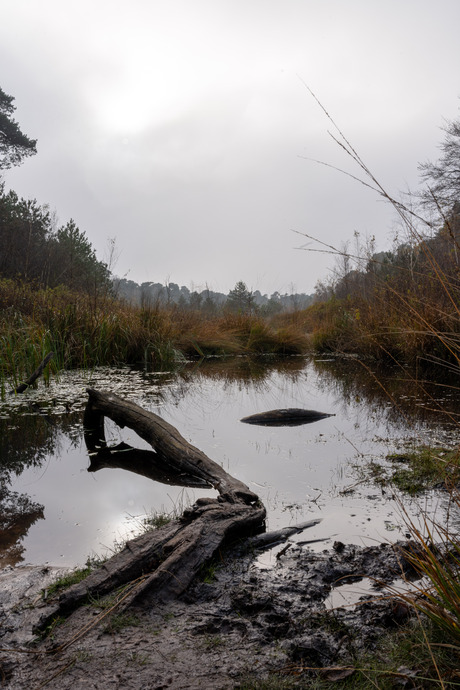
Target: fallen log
{"points": [[286, 417], [38, 372], [164, 438], [162, 563]]}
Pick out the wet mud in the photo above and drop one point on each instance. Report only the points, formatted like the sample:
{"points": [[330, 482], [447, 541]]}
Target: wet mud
{"points": [[236, 622]]}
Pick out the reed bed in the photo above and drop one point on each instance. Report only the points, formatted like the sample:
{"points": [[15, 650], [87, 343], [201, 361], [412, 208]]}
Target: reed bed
{"points": [[85, 332], [420, 329]]}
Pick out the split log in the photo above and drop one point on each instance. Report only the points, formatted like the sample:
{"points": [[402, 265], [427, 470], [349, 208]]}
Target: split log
{"points": [[38, 372], [166, 559]]}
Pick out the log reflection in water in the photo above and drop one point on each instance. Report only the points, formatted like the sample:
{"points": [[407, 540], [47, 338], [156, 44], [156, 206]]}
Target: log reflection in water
{"points": [[147, 463]]}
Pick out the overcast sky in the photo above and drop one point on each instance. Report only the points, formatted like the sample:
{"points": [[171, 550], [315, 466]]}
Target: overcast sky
{"points": [[181, 128]]}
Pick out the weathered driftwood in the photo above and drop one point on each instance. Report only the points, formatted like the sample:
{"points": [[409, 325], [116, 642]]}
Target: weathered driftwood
{"points": [[38, 372], [163, 561], [286, 417]]}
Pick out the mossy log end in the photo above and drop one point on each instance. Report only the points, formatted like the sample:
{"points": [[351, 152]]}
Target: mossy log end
{"points": [[160, 564]]}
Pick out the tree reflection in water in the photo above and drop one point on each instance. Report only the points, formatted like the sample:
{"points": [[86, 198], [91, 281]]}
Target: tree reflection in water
{"points": [[17, 514]]}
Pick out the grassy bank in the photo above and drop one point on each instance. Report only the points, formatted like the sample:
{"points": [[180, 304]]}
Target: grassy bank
{"points": [[385, 328], [84, 331]]}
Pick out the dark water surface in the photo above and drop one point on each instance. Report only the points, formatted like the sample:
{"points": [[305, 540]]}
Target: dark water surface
{"points": [[54, 511]]}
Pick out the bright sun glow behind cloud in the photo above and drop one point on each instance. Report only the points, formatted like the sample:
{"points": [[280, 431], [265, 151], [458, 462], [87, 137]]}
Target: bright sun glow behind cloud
{"points": [[162, 70], [155, 88]]}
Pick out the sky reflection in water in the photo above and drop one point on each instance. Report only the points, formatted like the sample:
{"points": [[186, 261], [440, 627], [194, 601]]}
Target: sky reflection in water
{"points": [[299, 472]]}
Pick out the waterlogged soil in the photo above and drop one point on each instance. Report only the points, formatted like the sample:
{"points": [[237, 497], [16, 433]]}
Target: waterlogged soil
{"points": [[238, 626]]}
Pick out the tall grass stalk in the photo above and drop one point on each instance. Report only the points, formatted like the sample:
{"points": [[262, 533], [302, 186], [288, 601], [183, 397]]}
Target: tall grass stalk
{"points": [[435, 554], [408, 310], [411, 307]]}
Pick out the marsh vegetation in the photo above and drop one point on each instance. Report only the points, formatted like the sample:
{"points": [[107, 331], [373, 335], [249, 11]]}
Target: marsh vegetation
{"points": [[393, 315]]}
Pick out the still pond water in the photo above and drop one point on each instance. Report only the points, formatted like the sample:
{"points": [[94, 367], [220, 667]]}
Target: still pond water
{"points": [[54, 511]]}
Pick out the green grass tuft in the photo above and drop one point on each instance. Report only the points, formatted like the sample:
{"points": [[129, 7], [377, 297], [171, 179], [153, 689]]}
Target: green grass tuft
{"points": [[424, 468]]}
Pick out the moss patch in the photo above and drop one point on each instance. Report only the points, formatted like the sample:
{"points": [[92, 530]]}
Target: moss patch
{"points": [[424, 468], [73, 577]]}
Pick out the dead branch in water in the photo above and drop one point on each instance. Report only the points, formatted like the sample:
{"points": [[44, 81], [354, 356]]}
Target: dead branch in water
{"points": [[38, 372]]}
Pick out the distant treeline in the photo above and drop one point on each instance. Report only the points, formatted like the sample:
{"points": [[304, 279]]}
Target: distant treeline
{"points": [[35, 249], [240, 299]]}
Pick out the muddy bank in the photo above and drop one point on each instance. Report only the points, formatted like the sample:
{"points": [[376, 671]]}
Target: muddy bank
{"points": [[236, 621]]}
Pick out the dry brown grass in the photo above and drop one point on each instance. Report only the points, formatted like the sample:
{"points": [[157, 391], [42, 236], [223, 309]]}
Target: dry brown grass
{"points": [[85, 332]]}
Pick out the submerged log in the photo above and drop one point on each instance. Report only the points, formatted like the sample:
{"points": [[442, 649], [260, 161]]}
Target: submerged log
{"points": [[161, 564], [287, 417]]}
